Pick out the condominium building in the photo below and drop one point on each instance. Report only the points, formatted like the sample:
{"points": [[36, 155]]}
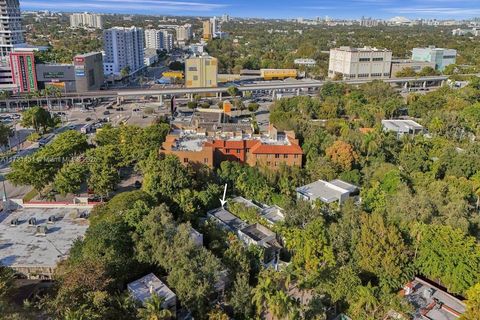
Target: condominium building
{"points": [[86, 20], [123, 48], [158, 39], [11, 32], [440, 56], [360, 63], [184, 33], [272, 149], [207, 30], [201, 72]]}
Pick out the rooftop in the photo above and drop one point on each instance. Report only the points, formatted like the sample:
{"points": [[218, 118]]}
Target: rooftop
{"points": [[328, 192], [143, 288], [431, 302], [364, 49], [257, 232], [24, 244], [227, 218], [401, 125]]}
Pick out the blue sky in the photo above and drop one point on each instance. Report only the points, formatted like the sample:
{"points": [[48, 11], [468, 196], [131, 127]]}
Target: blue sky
{"points": [[271, 8]]}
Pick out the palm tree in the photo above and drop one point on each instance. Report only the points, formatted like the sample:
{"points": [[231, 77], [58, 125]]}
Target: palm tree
{"points": [[262, 292], [366, 303], [153, 309], [281, 305]]}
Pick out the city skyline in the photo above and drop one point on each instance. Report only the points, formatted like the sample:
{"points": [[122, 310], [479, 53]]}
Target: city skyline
{"points": [[348, 9]]}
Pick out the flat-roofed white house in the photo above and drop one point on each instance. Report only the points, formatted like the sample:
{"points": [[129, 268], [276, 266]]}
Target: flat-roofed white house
{"points": [[327, 192], [144, 288], [402, 127]]}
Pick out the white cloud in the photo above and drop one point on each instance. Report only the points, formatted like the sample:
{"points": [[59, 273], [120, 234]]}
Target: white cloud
{"points": [[115, 5]]}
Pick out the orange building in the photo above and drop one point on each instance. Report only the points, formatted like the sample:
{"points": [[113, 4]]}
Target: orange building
{"points": [[270, 150]]}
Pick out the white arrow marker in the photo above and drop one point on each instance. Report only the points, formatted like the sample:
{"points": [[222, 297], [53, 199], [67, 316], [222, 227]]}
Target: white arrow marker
{"points": [[223, 201]]}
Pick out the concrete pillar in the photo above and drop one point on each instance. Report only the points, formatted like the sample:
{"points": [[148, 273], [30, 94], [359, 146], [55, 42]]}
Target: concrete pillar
{"points": [[424, 84], [119, 101], [298, 92], [405, 85], [442, 83], [274, 94], [160, 98]]}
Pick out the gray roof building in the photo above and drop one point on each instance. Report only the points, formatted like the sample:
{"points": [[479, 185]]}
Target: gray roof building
{"points": [[431, 302], [34, 240], [143, 289]]}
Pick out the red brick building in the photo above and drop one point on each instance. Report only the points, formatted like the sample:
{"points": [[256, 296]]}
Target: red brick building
{"points": [[270, 150]]}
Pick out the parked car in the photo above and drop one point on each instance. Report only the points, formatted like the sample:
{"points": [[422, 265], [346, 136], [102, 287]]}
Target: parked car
{"points": [[106, 112]]}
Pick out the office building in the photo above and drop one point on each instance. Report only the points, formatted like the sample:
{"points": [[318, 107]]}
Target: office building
{"points": [[158, 39], [123, 48], [184, 33], [201, 72], [88, 71], [11, 32], [225, 18], [417, 66], [86, 20], [360, 63], [58, 75], [23, 71], [440, 56]]}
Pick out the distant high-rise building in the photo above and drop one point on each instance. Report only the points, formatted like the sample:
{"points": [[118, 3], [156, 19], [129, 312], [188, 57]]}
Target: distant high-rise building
{"points": [[225, 18], [158, 39], [207, 30], [184, 33], [201, 72], [86, 20], [123, 48], [440, 56], [154, 39], [360, 63], [11, 32], [368, 22]]}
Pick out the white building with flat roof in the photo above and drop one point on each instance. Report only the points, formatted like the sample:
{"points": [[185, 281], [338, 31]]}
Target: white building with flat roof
{"points": [[35, 237], [144, 288], [86, 20], [360, 63], [123, 48], [402, 127], [305, 62], [327, 192]]}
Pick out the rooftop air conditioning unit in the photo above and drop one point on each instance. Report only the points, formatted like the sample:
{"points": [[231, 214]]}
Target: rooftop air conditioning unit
{"points": [[52, 219], [32, 221], [15, 222], [41, 231]]}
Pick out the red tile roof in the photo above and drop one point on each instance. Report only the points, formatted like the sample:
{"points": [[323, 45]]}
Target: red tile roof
{"points": [[276, 149]]}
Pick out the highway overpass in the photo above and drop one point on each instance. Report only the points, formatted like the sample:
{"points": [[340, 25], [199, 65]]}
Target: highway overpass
{"points": [[272, 87]]}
